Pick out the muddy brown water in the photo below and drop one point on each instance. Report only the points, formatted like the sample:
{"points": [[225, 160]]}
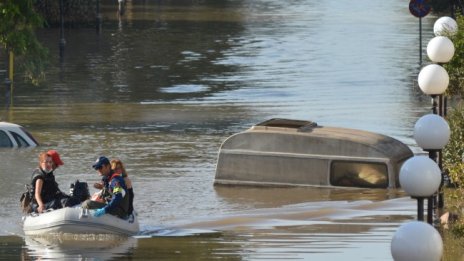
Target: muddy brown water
{"points": [[162, 86]]}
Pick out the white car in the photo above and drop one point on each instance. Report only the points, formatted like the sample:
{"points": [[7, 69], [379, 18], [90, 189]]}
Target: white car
{"points": [[13, 136]]}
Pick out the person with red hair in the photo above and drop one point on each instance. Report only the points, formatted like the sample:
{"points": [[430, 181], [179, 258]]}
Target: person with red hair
{"points": [[118, 167], [47, 194], [55, 158]]}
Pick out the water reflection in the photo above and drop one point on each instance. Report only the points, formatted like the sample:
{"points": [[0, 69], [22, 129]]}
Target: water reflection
{"points": [[75, 247], [199, 247], [278, 197], [195, 246]]}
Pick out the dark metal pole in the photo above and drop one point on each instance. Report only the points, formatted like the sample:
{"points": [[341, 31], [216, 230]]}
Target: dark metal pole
{"points": [[430, 204], [441, 193], [434, 104], [440, 197], [431, 201], [439, 157], [99, 17], [440, 105], [7, 85], [420, 40], [62, 40], [420, 209], [445, 107], [7, 93]]}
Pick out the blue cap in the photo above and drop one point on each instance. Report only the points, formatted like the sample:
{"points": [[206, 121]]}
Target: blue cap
{"points": [[100, 162]]}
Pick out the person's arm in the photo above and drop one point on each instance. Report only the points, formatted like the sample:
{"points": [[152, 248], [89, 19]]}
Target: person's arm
{"points": [[38, 198], [128, 182], [117, 197]]}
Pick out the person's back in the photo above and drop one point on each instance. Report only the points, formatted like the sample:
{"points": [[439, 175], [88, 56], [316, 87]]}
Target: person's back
{"points": [[118, 167]]}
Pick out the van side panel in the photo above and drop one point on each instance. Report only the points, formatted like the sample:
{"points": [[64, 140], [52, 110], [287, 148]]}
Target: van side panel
{"points": [[272, 169]]}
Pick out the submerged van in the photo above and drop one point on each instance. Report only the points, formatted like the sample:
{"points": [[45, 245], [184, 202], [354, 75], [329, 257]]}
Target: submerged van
{"points": [[285, 152]]}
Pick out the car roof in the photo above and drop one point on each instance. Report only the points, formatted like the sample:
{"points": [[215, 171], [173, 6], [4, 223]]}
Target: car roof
{"points": [[8, 125]]}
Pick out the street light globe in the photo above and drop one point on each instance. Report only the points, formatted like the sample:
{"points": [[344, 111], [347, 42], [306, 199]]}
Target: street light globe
{"points": [[433, 79], [440, 49], [445, 26], [420, 176], [432, 132], [416, 241]]}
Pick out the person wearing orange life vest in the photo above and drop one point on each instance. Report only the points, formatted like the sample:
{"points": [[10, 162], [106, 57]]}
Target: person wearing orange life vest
{"points": [[114, 186], [118, 167]]}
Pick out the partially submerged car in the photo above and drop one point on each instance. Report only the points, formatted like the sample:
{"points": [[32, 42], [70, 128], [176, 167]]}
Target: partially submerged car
{"points": [[13, 136], [284, 152]]}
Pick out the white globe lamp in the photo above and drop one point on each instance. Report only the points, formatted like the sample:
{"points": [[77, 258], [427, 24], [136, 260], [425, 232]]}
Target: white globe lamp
{"points": [[420, 176], [416, 241], [433, 79], [445, 26], [440, 49], [432, 132]]}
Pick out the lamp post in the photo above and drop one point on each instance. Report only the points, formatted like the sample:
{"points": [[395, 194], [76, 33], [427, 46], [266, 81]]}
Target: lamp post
{"points": [[416, 241], [432, 133], [420, 178], [433, 80]]}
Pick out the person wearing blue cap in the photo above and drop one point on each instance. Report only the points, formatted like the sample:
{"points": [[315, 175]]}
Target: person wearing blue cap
{"points": [[114, 188]]}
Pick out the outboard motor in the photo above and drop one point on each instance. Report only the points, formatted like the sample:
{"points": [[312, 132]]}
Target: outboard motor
{"points": [[79, 191]]}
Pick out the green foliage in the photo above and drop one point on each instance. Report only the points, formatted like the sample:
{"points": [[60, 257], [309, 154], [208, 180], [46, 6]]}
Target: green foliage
{"points": [[18, 20], [454, 150], [453, 164], [455, 67], [439, 5], [458, 229], [453, 245]]}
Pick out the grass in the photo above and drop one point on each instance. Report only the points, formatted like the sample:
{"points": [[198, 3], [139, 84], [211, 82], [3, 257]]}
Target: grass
{"points": [[453, 236]]}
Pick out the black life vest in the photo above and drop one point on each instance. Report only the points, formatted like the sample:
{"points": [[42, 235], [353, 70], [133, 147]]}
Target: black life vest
{"points": [[50, 187]]}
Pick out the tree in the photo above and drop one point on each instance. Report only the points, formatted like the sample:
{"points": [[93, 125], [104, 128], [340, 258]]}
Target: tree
{"points": [[455, 67], [18, 22]]}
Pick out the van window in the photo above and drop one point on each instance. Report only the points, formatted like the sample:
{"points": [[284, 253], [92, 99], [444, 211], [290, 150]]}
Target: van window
{"points": [[5, 141], [20, 140], [359, 174]]}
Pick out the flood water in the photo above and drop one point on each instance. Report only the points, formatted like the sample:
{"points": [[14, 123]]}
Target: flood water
{"points": [[163, 85]]}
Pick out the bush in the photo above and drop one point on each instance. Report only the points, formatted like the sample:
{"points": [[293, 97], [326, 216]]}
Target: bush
{"points": [[455, 67]]}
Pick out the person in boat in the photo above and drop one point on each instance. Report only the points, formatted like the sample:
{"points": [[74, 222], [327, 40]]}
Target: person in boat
{"points": [[118, 167], [75, 197], [113, 186], [47, 194], [55, 158]]}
